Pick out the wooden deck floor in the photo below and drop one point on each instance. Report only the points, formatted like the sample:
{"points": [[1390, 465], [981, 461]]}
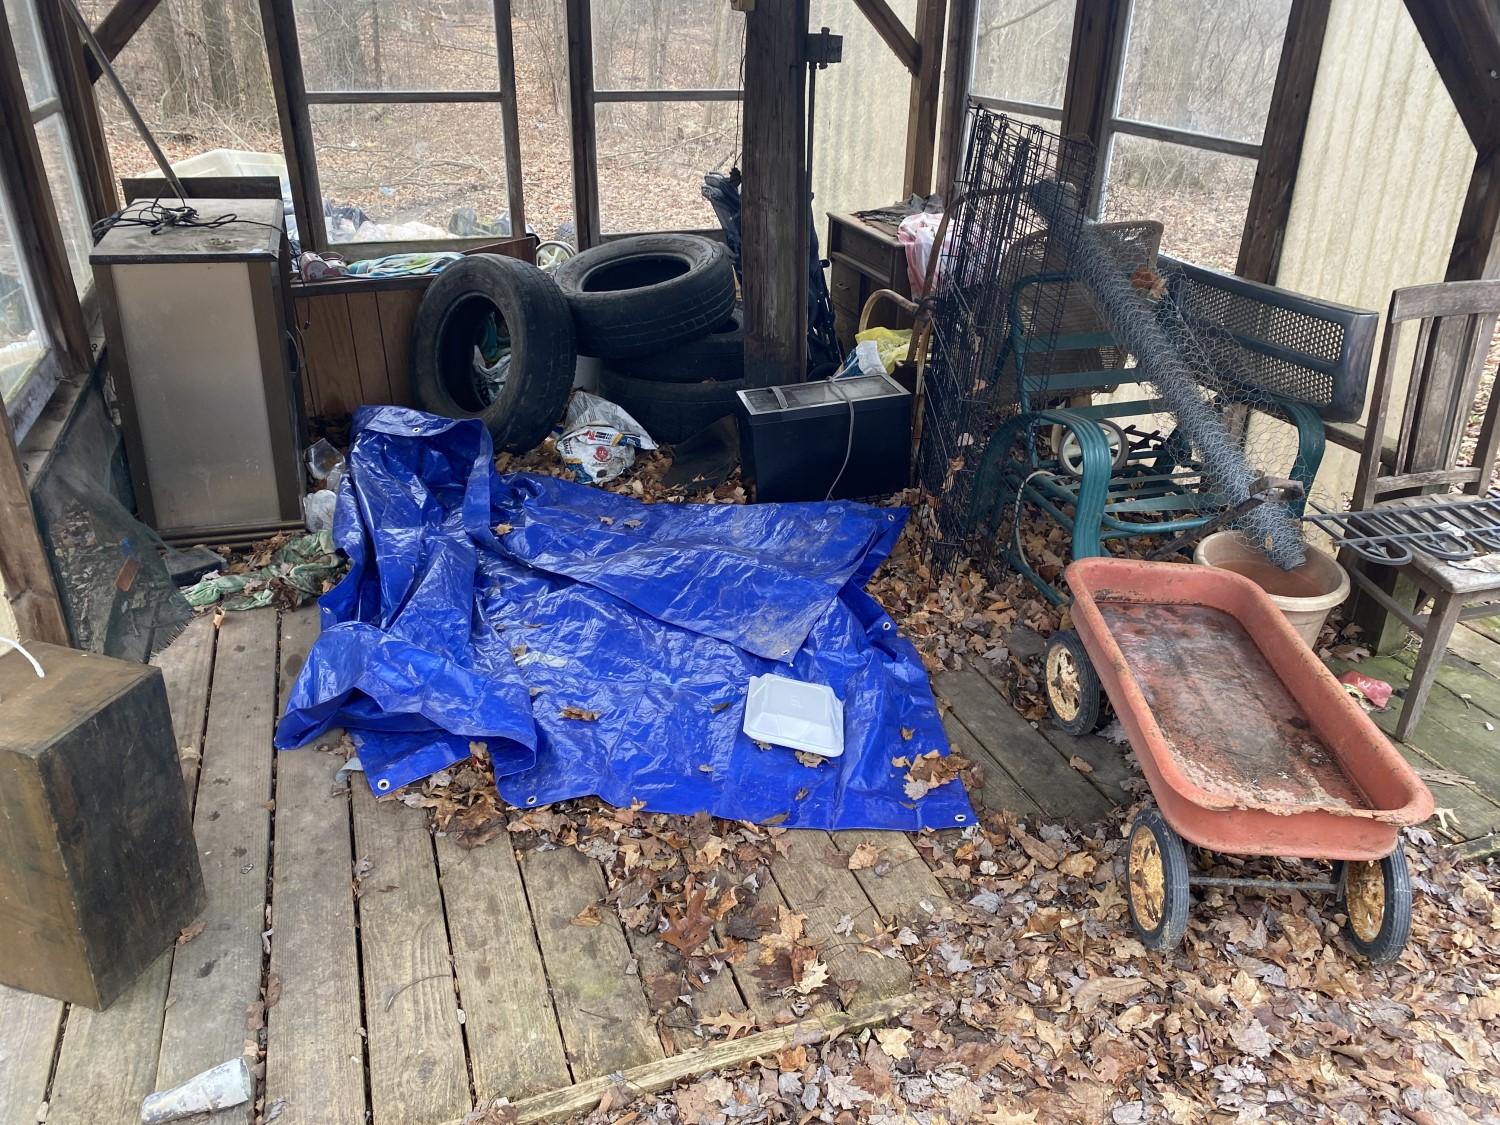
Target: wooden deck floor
{"points": [[458, 973]]}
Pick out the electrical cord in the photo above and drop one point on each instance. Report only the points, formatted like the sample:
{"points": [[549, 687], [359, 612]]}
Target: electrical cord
{"points": [[849, 443], [159, 216]]}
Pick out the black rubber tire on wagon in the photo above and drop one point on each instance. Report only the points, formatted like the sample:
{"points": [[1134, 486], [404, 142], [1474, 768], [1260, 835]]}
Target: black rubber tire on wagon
{"points": [[543, 356], [646, 294], [1074, 695], [719, 356], [1376, 899], [1156, 881], [671, 412]]}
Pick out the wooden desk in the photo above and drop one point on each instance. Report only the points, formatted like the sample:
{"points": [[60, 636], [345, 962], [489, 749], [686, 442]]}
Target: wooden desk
{"points": [[865, 256]]}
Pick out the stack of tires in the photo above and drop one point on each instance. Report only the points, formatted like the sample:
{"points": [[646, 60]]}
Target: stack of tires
{"points": [[659, 310]]}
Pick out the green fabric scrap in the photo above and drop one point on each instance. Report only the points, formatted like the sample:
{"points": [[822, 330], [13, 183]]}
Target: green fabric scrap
{"points": [[299, 570]]}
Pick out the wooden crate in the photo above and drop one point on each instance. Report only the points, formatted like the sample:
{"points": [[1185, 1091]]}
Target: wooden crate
{"points": [[98, 869]]}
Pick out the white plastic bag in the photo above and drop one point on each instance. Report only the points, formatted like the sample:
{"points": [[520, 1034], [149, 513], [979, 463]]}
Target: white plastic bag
{"points": [[599, 439], [917, 234]]}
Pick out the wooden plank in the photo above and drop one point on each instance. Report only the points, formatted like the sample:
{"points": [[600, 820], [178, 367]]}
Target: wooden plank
{"points": [[314, 1049], [416, 1050], [998, 790], [816, 882], [657, 1076], [1020, 749], [217, 976], [1111, 765], [328, 343], [1476, 243], [901, 886], [369, 349], [958, 76], [398, 316], [284, 57], [505, 49], [108, 1060], [515, 1045], [29, 1026], [1481, 692], [924, 101], [775, 213], [766, 1004], [581, 117], [679, 1030], [606, 1022], [1094, 59], [310, 404], [1478, 649], [1281, 142], [889, 27], [26, 580]]}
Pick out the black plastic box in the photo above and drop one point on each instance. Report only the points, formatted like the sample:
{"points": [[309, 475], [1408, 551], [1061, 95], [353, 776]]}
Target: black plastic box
{"points": [[793, 438]]}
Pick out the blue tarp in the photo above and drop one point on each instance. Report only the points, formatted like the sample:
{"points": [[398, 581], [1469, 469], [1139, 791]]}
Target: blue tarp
{"points": [[482, 607]]}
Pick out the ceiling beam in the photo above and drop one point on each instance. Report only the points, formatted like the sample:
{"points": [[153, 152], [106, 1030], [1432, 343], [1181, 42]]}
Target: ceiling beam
{"points": [[893, 31], [117, 29], [925, 99], [1463, 38]]}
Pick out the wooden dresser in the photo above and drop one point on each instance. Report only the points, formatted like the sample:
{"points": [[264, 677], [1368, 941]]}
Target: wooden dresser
{"points": [[865, 256]]}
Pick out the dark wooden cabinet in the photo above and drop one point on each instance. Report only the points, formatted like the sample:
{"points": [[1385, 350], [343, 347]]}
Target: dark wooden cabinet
{"points": [[864, 256]]}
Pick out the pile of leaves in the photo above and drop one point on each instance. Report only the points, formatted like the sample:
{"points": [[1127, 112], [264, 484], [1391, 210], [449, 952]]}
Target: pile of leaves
{"points": [[1035, 1000]]}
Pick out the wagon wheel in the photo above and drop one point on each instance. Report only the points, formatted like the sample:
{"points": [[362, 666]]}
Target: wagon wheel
{"points": [[1073, 693], [1376, 897], [1156, 881]]}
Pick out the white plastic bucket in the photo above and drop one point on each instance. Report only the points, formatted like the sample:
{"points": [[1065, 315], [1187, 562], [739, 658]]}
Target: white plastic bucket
{"points": [[1306, 594]]}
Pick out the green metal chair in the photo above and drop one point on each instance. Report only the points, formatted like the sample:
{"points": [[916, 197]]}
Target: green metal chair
{"points": [[1075, 453]]}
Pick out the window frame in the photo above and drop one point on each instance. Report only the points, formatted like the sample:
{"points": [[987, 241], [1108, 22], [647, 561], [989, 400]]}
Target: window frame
{"points": [[585, 99], [40, 251], [294, 99]]}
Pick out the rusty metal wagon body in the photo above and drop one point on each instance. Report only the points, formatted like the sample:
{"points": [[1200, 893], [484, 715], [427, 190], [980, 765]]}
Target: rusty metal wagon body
{"points": [[1249, 744]]}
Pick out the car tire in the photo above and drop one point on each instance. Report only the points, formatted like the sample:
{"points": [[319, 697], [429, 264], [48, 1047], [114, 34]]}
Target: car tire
{"points": [[671, 412], [543, 355], [719, 356], [637, 296]]}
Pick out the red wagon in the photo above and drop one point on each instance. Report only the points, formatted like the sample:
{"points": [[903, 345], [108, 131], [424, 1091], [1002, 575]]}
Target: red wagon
{"points": [[1249, 744]]}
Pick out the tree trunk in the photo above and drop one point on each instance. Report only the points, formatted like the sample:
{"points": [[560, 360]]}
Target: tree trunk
{"points": [[219, 49], [174, 98]]}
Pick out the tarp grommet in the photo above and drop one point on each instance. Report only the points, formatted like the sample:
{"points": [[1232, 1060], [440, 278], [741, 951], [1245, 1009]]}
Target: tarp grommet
{"points": [[383, 784]]}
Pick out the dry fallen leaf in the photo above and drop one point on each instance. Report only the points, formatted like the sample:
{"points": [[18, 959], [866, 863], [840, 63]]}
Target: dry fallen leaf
{"points": [[864, 856], [188, 933], [571, 712], [587, 917]]}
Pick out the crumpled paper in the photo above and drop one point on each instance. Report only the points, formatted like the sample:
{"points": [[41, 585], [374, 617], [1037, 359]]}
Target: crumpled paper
{"points": [[599, 439]]}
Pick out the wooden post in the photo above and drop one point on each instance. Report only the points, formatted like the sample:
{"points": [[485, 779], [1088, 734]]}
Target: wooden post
{"points": [[1094, 60], [510, 119], [922, 111], [80, 109], [1476, 245], [776, 208], [25, 574], [285, 59], [957, 79], [1281, 144], [581, 114]]}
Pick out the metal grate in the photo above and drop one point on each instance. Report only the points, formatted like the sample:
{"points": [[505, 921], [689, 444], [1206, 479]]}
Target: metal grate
{"points": [[1450, 529], [995, 238]]}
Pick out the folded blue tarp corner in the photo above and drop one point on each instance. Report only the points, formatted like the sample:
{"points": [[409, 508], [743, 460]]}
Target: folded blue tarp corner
{"points": [[501, 608]]}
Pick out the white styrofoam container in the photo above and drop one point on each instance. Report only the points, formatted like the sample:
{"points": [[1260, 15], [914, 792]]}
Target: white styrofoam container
{"points": [[786, 712]]}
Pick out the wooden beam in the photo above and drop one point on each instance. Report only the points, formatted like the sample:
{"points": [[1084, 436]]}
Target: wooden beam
{"points": [[776, 209], [653, 1077], [1463, 38], [922, 108], [957, 78], [581, 111], [80, 109], [1094, 60], [1476, 246], [1281, 143], [25, 574], [117, 29], [890, 28], [284, 56], [510, 118]]}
